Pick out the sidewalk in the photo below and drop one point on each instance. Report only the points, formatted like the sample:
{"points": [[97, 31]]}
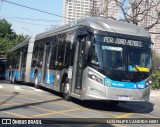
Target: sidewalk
{"points": [[155, 93]]}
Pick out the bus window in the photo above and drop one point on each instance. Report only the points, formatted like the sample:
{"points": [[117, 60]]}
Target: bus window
{"points": [[24, 57], [60, 55], [67, 54], [53, 63], [40, 54], [35, 55]]}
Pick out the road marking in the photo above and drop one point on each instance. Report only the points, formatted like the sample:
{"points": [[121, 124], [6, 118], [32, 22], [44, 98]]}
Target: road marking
{"points": [[129, 114], [125, 115], [50, 102], [37, 90], [100, 112], [1, 87], [57, 112], [15, 103], [12, 103], [57, 103], [15, 114], [17, 88]]}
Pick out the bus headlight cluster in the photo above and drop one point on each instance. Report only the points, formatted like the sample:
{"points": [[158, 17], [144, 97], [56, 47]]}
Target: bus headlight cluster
{"points": [[149, 82], [95, 77]]}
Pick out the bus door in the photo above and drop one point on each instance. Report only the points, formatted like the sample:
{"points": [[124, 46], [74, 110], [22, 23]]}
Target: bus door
{"points": [[45, 67], [79, 63]]}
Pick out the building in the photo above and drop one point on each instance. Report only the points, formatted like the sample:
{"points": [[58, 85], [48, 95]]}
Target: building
{"points": [[108, 8], [75, 9], [149, 19]]}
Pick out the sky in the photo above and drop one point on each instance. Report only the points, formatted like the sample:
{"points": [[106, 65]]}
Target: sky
{"points": [[30, 22]]}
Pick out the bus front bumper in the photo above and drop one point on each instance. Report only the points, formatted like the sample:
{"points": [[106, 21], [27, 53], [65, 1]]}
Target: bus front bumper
{"points": [[118, 94]]}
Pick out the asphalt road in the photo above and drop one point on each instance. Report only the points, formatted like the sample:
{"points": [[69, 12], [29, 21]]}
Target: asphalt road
{"points": [[24, 101]]}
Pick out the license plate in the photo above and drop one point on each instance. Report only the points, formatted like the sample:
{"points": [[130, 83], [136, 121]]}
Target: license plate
{"points": [[123, 98]]}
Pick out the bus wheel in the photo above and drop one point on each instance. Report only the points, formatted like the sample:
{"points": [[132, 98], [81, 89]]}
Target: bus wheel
{"points": [[66, 90], [36, 82]]}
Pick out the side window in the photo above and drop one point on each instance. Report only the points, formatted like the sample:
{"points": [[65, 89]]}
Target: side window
{"points": [[60, 56], [67, 54], [16, 59], [60, 52], [35, 55], [40, 52], [24, 57], [53, 61]]}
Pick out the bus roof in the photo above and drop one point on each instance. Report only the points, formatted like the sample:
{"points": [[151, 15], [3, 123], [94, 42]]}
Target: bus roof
{"points": [[98, 23], [25, 42]]}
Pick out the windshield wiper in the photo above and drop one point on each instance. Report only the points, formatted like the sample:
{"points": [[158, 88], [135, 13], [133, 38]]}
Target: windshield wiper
{"points": [[114, 66]]}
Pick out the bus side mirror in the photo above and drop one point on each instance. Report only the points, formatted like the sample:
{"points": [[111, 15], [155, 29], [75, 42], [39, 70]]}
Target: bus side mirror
{"points": [[88, 45]]}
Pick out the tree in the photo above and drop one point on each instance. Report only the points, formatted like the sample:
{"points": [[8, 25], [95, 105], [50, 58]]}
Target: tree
{"points": [[137, 11], [8, 38], [156, 70]]}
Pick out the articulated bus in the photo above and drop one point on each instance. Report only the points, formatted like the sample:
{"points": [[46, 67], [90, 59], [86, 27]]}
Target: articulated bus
{"points": [[89, 59]]}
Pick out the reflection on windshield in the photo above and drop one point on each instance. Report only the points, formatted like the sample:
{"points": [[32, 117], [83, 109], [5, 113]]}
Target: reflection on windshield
{"points": [[106, 56], [139, 58]]}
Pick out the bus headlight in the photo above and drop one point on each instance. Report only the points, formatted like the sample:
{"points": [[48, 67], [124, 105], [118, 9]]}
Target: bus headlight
{"points": [[95, 77], [149, 82]]}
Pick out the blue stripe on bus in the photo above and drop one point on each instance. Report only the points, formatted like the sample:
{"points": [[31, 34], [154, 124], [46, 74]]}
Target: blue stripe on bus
{"points": [[32, 74], [39, 76], [21, 74], [15, 74], [130, 85], [7, 75], [49, 79]]}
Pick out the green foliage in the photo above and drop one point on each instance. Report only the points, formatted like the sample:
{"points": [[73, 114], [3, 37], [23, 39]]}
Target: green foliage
{"points": [[156, 70], [156, 79], [8, 38]]}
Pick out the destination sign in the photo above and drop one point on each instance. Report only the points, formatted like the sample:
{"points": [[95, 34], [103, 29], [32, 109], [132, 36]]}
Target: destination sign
{"points": [[122, 41]]}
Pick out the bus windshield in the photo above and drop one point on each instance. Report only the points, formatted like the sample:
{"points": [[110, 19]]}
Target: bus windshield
{"points": [[106, 56], [139, 58], [120, 57]]}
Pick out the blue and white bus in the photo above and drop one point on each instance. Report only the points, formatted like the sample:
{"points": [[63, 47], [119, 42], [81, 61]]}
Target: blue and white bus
{"points": [[90, 59]]}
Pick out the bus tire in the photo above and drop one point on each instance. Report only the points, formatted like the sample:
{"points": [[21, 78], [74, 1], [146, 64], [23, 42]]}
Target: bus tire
{"points": [[36, 82], [66, 90]]}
